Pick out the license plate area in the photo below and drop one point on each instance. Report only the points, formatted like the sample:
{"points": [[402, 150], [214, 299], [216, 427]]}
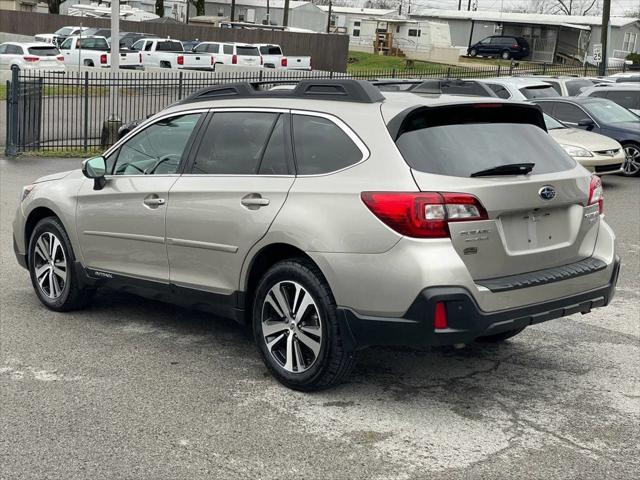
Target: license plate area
{"points": [[539, 228]]}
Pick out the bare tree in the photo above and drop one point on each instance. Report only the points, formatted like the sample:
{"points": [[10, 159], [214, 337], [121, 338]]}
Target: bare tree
{"points": [[564, 7], [54, 6], [199, 4]]}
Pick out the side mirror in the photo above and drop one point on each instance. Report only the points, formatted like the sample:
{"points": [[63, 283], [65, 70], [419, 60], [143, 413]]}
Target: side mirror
{"points": [[95, 168], [586, 123]]}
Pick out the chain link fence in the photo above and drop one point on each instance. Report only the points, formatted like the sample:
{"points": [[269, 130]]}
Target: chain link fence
{"points": [[76, 110]]}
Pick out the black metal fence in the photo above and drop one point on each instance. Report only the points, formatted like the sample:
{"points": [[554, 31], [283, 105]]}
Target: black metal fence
{"points": [[73, 110]]}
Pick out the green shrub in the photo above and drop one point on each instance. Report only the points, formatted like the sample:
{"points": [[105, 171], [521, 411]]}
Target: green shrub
{"points": [[634, 57]]}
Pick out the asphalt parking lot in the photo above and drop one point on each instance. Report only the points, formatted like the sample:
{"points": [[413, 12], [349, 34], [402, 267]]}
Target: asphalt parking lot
{"points": [[132, 388]]}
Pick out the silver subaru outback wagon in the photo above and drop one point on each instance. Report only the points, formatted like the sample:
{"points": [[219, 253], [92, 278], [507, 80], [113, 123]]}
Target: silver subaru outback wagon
{"points": [[329, 218]]}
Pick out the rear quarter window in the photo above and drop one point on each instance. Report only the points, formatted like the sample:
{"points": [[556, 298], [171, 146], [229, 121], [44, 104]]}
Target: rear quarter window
{"points": [[321, 146]]}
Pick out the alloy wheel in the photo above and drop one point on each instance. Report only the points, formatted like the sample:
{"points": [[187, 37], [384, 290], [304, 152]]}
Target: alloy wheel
{"points": [[631, 165], [50, 265], [291, 326]]}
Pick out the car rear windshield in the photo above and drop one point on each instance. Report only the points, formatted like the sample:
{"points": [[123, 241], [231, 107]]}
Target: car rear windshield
{"points": [[270, 50], [466, 143], [574, 87], [44, 51], [166, 46], [248, 51], [539, 91]]}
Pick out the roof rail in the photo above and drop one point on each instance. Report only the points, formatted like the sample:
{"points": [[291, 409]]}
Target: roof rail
{"points": [[341, 90]]}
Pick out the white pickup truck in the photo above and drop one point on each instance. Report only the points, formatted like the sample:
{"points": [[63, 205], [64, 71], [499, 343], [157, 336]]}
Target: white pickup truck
{"points": [[95, 52], [167, 53], [273, 57]]}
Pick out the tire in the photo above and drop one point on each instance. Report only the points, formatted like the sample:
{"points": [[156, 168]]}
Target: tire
{"points": [[506, 55], [321, 359], [631, 166], [473, 52], [500, 337], [56, 291]]}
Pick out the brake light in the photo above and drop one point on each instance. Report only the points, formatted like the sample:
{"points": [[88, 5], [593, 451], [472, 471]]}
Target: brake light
{"points": [[440, 317], [596, 193], [60, 58], [515, 46], [283, 62], [424, 214], [103, 59], [234, 59], [28, 58], [180, 59], [213, 60]]}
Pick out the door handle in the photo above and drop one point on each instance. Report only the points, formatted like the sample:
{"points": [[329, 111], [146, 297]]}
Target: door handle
{"points": [[253, 201], [154, 201]]}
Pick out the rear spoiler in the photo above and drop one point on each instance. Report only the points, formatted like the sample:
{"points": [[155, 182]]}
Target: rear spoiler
{"points": [[422, 116]]}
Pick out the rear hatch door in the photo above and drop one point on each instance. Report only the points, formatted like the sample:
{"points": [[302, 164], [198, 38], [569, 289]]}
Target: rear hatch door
{"points": [[536, 220]]}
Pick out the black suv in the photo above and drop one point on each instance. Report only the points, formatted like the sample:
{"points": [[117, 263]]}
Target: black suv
{"points": [[500, 46]]}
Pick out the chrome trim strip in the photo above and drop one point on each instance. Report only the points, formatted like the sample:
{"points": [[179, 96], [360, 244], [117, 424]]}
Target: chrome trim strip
{"points": [[125, 236], [180, 242]]}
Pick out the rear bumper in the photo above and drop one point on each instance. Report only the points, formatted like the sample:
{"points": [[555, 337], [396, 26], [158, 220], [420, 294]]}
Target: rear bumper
{"points": [[466, 321]]}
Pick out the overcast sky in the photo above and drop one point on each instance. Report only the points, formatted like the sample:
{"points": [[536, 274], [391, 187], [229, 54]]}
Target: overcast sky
{"points": [[618, 7]]}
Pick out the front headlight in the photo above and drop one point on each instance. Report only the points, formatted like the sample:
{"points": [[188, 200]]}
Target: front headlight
{"points": [[26, 190], [576, 152]]}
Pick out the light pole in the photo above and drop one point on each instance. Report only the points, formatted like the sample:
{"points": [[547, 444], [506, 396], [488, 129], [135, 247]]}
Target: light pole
{"points": [[604, 36]]}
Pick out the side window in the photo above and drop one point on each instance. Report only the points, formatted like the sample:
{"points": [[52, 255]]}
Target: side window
{"points": [[569, 113], [321, 146], [626, 99], [157, 149], [138, 45], [148, 46], [548, 108], [3, 49], [228, 49], [598, 93], [14, 50], [234, 143], [66, 45], [213, 48], [499, 90], [201, 48], [274, 159]]}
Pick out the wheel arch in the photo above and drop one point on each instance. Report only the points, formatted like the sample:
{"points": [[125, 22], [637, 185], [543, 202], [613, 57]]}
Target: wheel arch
{"points": [[265, 258], [32, 220]]}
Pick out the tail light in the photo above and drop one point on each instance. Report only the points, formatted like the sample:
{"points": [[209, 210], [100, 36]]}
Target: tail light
{"points": [[515, 46], [28, 58], [424, 214], [234, 59], [60, 58], [180, 59], [596, 193], [103, 59], [440, 317], [283, 62]]}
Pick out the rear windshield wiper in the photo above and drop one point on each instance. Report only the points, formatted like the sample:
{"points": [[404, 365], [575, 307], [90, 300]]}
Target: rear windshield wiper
{"points": [[509, 169]]}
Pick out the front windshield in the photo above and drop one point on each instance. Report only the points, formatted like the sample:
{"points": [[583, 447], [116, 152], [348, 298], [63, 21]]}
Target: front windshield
{"points": [[64, 31], [552, 123], [608, 112]]}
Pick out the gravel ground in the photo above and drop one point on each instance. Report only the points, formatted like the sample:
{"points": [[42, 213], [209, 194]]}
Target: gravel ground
{"points": [[132, 388]]}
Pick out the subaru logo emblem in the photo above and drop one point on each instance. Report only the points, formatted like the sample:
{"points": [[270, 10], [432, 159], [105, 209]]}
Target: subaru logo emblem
{"points": [[547, 192]]}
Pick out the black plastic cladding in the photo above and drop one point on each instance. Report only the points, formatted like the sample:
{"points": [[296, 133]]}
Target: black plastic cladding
{"points": [[347, 90]]}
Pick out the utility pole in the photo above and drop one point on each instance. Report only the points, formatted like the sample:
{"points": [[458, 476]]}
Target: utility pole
{"points": [[329, 18], [459, 5], [268, 19], [285, 16], [115, 35], [469, 6], [604, 36], [400, 8], [232, 15]]}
